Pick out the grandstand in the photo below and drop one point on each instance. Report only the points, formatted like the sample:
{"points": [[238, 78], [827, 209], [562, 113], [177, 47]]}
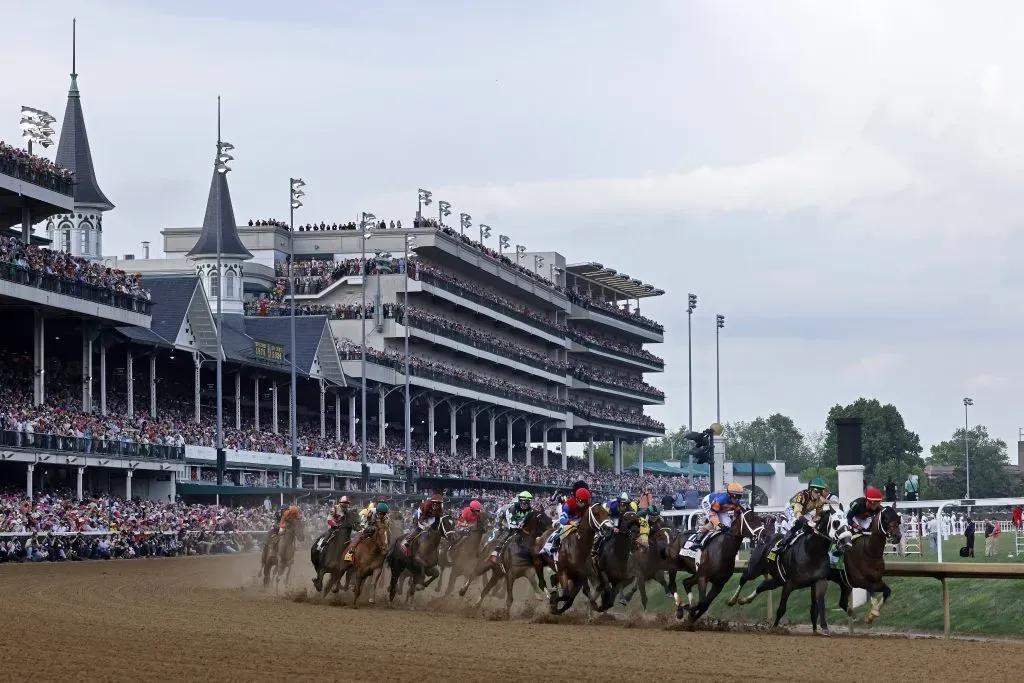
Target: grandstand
{"points": [[507, 350]]}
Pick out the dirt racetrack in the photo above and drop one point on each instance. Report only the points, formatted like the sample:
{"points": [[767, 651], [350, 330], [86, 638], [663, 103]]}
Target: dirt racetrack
{"points": [[203, 619]]}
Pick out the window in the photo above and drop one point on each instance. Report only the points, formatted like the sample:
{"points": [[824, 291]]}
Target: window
{"points": [[229, 285], [66, 241], [214, 284]]}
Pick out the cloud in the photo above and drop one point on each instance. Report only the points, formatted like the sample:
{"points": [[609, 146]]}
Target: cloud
{"points": [[873, 367]]}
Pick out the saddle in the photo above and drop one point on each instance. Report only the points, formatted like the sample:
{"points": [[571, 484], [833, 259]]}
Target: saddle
{"points": [[783, 544]]}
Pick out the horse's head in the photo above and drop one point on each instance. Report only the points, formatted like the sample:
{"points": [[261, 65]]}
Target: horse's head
{"points": [[629, 523], [595, 519], [445, 527], [833, 526], [750, 526], [889, 523], [297, 527]]}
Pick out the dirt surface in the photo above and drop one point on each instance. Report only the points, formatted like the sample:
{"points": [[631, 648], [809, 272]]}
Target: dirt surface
{"points": [[204, 619]]}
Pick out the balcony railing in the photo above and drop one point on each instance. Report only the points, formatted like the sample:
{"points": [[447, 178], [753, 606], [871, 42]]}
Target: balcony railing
{"points": [[89, 446], [617, 313], [647, 391], [510, 352], [641, 357], [23, 170], [12, 272], [593, 416], [497, 306]]}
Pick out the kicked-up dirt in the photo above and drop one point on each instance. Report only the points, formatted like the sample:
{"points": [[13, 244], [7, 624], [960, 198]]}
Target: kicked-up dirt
{"points": [[205, 619]]}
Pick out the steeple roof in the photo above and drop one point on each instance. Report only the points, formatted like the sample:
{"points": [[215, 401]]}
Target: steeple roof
{"points": [[73, 149], [220, 217]]}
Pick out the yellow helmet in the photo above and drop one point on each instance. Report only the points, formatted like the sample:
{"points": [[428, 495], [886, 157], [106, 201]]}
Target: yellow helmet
{"points": [[734, 489]]}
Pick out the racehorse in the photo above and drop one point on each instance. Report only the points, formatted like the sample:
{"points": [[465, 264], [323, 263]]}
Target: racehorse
{"points": [[279, 551], [805, 563], [463, 553], [613, 566], [572, 568], [717, 561], [418, 556], [864, 564], [651, 562], [368, 558], [516, 559], [328, 558]]}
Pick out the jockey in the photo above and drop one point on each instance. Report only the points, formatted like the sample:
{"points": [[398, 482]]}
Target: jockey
{"points": [[428, 512], [470, 516], [341, 517], [366, 513], [371, 521], [650, 517], [287, 514], [514, 514], [572, 512], [863, 510], [805, 507], [719, 508], [615, 508]]}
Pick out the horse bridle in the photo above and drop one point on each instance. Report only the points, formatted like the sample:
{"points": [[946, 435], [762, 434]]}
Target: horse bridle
{"points": [[755, 534]]}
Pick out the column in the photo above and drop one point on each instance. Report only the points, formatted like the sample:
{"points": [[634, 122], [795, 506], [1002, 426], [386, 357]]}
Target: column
{"points": [[453, 411], [78, 483], [544, 435], [472, 432], [337, 416], [28, 480], [103, 378], [323, 409], [508, 436], [130, 380], [565, 449], [718, 473], [352, 419], [152, 385], [238, 400], [494, 435], [616, 455], [590, 452], [128, 484], [273, 407], [39, 361], [86, 370], [529, 442], [430, 425], [641, 456], [198, 385], [382, 417], [256, 402], [174, 486]]}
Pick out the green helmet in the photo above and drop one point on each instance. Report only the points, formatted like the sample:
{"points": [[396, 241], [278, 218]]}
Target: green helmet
{"points": [[525, 495], [653, 510], [382, 508], [817, 483]]}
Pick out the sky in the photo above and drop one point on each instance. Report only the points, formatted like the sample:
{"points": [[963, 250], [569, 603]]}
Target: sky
{"points": [[839, 180]]}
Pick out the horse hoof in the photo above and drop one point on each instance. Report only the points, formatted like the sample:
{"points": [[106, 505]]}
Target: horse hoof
{"points": [[824, 632], [868, 618], [681, 611]]}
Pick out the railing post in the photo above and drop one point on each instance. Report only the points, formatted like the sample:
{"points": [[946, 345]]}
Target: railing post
{"points": [[945, 607]]}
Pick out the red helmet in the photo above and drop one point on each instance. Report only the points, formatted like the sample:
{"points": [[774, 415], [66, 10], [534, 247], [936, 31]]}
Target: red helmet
{"points": [[474, 505], [582, 494], [873, 494]]}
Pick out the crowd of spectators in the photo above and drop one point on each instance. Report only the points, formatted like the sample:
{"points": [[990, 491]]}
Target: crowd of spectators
{"points": [[315, 275], [605, 342], [35, 169], [596, 375], [323, 226], [30, 261], [603, 413], [582, 299], [267, 222]]}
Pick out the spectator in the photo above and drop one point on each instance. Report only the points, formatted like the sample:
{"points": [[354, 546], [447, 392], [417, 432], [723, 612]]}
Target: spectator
{"points": [[969, 535], [890, 490]]}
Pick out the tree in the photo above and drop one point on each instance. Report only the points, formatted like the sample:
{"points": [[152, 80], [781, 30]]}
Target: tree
{"points": [[884, 436], [768, 438], [990, 475]]}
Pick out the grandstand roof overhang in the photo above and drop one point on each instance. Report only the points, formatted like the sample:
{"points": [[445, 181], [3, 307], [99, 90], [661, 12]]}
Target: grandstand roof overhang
{"points": [[609, 278]]}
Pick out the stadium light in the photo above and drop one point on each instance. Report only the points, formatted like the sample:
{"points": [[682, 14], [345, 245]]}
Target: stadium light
{"points": [[485, 232], [719, 324], [223, 158], [366, 220], [423, 198], [295, 192], [520, 250], [967, 449], [503, 244], [443, 209], [35, 127], [538, 263], [465, 221], [408, 401], [692, 304]]}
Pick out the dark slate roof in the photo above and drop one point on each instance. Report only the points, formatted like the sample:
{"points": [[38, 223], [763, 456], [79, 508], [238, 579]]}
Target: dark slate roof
{"points": [[237, 340], [74, 153], [141, 335], [276, 330], [170, 297], [220, 216]]}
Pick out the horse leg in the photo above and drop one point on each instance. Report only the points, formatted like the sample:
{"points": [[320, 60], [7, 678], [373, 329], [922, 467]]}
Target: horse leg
{"points": [[768, 584], [687, 586], [358, 588], [786, 590], [376, 580], [509, 583], [641, 586], [538, 592], [705, 601], [876, 603], [818, 605], [396, 574]]}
